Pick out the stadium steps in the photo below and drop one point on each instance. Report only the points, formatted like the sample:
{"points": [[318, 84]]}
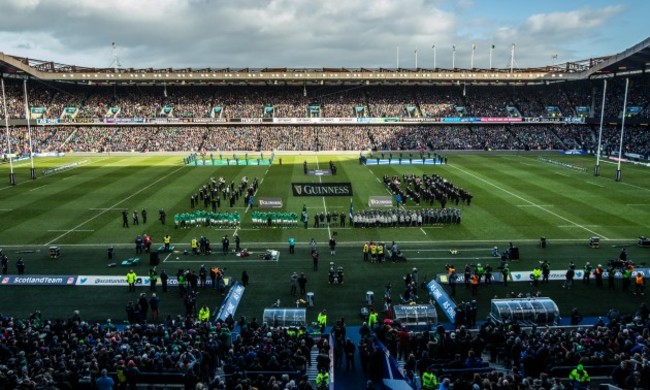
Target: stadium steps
{"points": [[312, 371]]}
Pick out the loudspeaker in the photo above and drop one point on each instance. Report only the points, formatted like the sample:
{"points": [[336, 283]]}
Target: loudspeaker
{"points": [[514, 253], [154, 259]]}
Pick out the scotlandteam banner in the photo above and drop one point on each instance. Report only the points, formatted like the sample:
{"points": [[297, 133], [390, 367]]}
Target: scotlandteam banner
{"points": [[38, 280], [321, 189]]}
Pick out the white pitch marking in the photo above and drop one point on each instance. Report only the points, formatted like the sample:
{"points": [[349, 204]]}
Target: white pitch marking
{"points": [[452, 258], [67, 230], [594, 184], [574, 226], [541, 207], [447, 250], [633, 186], [114, 206], [167, 257]]}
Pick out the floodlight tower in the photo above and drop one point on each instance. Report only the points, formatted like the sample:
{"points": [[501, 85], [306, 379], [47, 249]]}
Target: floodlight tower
{"points": [[115, 64]]}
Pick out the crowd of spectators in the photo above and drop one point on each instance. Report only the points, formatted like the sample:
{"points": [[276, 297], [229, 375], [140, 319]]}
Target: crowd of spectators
{"points": [[323, 138], [99, 102], [615, 348], [71, 353]]}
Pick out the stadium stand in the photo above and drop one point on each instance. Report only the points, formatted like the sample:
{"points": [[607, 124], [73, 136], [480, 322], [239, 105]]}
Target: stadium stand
{"points": [[71, 353]]}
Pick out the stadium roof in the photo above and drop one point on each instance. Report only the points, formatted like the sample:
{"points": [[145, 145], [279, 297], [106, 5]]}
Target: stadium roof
{"points": [[633, 60]]}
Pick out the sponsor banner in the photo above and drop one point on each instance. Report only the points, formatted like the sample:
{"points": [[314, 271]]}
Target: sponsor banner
{"points": [[525, 276], [337, 120], [322, 189], [209, 120], [319, 172], [573, 119], [458, 119], [614, 158], [250, 120], [269, 203], [634, 155], [38, 280], [377, 120], [106, 280], [446, 303], [415, 120], [290, 120], [573, 152], [131, 120], [380, 201], [49, 154], [230, 304], [315, 120], [41, 122], [492, 119], [402, 161], [140, 281]]}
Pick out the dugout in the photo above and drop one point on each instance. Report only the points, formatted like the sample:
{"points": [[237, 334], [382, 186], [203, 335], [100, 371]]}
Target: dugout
{"points": [[525, 311], [416, 317], [282, 317]]}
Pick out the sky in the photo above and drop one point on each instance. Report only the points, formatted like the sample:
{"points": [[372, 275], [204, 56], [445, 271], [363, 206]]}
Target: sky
{"points": [[316, 34]]}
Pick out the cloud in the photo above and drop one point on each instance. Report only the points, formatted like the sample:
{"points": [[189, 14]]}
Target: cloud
{"points": [[543, 35], [282, 33], [559, 24]]}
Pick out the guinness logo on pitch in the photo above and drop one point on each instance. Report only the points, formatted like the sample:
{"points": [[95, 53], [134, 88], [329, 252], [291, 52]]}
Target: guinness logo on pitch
{"points": [[322, 189]]}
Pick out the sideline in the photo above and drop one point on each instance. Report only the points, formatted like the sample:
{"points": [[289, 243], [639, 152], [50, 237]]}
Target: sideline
{"points": [[615, 242]]}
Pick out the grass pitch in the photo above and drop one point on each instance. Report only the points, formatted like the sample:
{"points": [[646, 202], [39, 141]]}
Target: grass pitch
{"points": [[517, 198]]}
